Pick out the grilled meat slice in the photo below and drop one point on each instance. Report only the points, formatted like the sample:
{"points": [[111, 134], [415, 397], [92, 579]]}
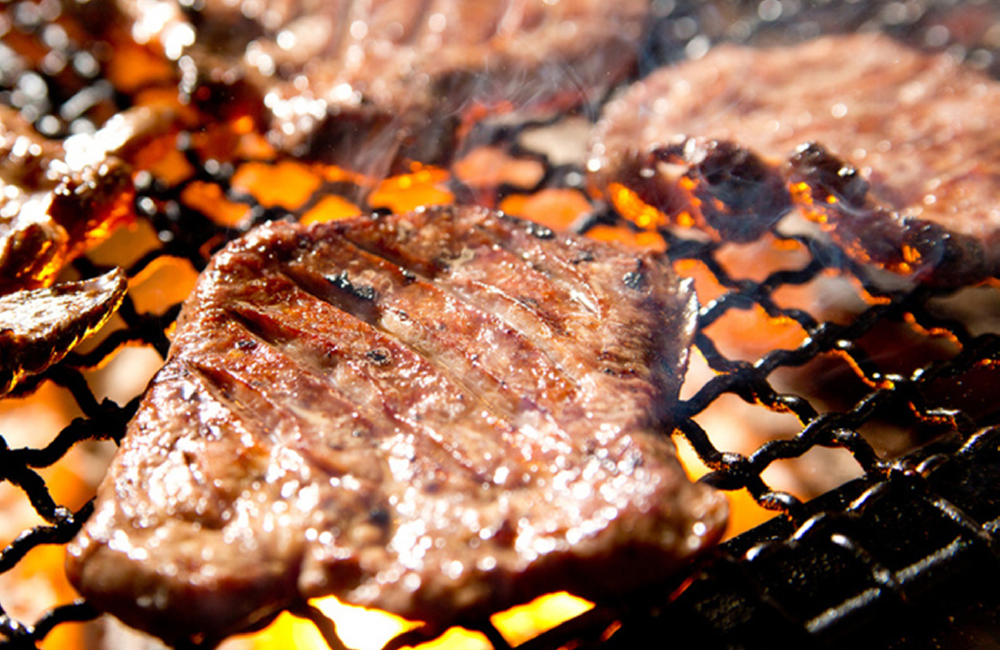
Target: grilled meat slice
{"points": [[369, 84], [39, 326], [903, 170], [439, 414]]}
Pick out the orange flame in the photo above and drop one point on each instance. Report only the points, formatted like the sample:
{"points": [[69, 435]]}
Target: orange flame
{"points": [[369, 629], [423, 186]]}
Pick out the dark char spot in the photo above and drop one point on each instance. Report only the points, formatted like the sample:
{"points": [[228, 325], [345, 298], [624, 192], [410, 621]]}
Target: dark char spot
{"points": [[540, 231], [379, 516], [379, 356], [636, 279], [361, 292]]}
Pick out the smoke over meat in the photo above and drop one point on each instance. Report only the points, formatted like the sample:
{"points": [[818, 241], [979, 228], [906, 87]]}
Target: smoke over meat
{"points": [[894, 151], [439, 414], [368, 85]]}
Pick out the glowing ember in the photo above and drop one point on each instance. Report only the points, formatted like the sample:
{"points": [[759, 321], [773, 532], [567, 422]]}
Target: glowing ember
{"points": [[423, 186], [162, 284], [521, 624], [368, 629], [287, 184], [641, 240], [629, 205], [556, 208], [208, 198], [490, 167], [358, 628], [331, 208]]}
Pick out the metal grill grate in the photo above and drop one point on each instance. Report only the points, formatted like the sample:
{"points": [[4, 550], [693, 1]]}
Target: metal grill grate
{"points": [[813, 541], [880, 549]]}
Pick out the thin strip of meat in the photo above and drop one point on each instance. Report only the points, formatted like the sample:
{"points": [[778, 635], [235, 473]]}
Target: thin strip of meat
{"points": [[893, 150], [439, 414]]}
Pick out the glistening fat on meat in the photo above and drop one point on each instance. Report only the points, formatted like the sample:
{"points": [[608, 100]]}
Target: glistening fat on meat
{"points": [[440, 414]]}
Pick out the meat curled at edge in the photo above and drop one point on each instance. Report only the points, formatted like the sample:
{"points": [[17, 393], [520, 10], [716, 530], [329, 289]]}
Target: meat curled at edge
{"points": [[439, 414], [894, 151], [369, 85]]}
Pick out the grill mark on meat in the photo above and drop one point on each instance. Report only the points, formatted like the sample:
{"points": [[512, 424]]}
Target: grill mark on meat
{"points": [[443, 286], [470, 295], [282, 329], [450, 332], [327, 440], [519, 299], [567, 277], [201, 390], [343, 353], [385, 339]]}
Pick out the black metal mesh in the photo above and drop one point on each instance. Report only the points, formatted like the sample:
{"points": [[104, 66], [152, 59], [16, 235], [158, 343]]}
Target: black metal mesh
{"points": [[864, 563]]}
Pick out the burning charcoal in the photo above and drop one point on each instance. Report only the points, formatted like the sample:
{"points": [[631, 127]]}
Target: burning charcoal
{"points": [[39, 326], [902, 172], [370, 85], [439, 414]]}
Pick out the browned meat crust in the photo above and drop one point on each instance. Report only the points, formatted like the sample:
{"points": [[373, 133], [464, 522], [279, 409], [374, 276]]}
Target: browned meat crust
{"points": [[904, 171], [439, 414], [366, 84], [38, 327]]}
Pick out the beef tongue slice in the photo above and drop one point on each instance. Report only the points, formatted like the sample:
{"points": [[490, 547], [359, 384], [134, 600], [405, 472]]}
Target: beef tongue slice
{"points": [[440, 414]]}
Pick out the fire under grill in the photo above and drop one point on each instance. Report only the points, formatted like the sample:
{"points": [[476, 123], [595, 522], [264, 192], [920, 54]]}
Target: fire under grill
{"points": [[901, 553]]}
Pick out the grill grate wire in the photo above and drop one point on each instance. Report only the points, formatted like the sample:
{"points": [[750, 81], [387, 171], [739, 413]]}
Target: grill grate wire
{"points": [[863, 563], [806, 533]]}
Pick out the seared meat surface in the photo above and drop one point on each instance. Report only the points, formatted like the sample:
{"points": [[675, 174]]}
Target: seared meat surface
{"points": [[903, 170], [47, 209], [367, 84], [440, 414]]}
